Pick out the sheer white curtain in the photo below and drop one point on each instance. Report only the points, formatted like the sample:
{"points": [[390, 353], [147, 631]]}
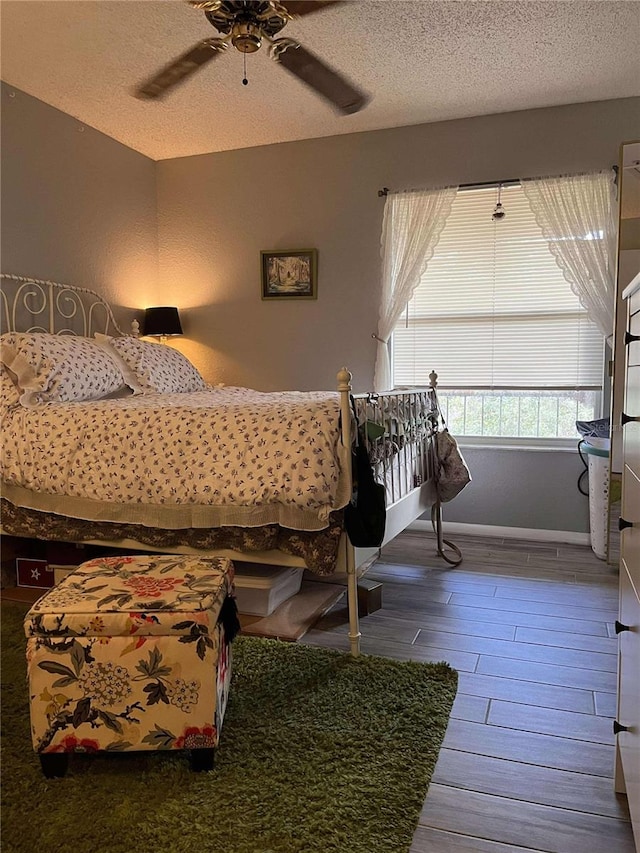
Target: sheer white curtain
{"points": [[411, 228], [577, 215]]}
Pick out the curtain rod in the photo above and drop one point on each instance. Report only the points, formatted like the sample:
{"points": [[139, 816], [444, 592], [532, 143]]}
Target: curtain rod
{"points": [[385, 190], [508, 182]]}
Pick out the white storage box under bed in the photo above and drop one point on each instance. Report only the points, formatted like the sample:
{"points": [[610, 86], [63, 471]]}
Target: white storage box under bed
{"points": [[260, 588]]}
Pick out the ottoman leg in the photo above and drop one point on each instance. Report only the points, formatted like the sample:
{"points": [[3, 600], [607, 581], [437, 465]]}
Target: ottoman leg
{"points": [[54, 764], [202, 759]]}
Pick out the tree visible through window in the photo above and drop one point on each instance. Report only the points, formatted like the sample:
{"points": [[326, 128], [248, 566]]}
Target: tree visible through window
{"points": [[515, 352]]}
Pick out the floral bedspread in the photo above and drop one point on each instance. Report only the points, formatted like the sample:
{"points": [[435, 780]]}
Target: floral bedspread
{"points": [[223, 456]]}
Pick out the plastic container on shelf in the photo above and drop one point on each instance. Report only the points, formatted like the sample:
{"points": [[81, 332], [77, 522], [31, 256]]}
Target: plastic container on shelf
{"points": [[597, 451], [260, 588]]}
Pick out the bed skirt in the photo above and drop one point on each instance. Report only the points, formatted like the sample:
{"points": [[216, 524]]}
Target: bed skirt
{"points": [[318, 549]]}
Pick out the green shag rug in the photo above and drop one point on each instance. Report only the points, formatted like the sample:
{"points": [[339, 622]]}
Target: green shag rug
{"points": [[319, 753]]}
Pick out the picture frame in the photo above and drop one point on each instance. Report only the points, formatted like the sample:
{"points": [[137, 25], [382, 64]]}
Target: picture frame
{"points": [[290, 274]]}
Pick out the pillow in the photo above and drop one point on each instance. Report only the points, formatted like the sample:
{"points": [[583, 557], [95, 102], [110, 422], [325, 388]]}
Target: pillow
{"points": [[49, 368], [128, 375], [9, 394], [157, 367]]}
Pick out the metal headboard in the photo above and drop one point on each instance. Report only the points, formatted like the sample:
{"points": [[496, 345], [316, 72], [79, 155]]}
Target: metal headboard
{"points": [[33, 305]]}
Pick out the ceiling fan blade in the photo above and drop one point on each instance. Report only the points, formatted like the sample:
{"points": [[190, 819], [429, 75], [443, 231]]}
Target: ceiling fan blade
{"points": [[181, 68], [306, 7], [322, 79]]}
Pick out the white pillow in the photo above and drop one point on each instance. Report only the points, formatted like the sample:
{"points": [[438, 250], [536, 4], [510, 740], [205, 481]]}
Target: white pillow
{"points": [[9, 394], [49, 368], [156, 367], [128, 375]]}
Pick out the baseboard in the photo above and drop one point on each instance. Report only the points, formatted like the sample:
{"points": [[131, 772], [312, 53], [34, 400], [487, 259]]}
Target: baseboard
{"points": [[570, 537]]}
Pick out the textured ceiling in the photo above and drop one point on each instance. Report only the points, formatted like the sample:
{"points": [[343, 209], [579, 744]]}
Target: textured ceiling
{"points": [[420, 61]]}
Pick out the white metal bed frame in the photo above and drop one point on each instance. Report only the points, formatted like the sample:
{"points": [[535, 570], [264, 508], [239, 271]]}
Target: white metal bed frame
{"points": [[35, 305]]}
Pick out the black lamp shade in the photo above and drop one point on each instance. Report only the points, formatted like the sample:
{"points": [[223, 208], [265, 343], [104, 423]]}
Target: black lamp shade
{"points": [[161, 321]]}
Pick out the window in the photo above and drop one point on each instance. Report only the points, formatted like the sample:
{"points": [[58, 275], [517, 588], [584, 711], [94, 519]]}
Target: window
{"points": [[515, 352]]}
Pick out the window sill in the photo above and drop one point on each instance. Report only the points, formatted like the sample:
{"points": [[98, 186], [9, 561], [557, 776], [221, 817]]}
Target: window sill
{"points": [[546, 445]]}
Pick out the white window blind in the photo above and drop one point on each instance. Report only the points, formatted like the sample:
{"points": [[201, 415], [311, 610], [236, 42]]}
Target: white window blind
{"points": [[493, 310]]}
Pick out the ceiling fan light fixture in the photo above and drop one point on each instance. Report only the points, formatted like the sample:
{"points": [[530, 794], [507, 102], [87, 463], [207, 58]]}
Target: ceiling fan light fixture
{"points": [[246, 36]]}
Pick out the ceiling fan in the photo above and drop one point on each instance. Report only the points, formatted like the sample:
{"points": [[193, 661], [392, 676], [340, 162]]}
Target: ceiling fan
{"points": [[245, 24]]}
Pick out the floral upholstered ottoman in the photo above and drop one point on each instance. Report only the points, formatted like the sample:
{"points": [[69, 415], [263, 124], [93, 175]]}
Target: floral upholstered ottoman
{"points": [[132, 653]]}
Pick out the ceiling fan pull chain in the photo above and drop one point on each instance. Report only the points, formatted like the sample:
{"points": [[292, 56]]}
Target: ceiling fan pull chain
{"points": [[245, 82]]}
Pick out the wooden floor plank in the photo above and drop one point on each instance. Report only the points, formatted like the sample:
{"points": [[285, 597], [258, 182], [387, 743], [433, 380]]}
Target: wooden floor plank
{"points": [[521, 651], [550, 721], [545, 673], [405, 587], [576, 596], [526, 605], [566, 576], [451, 624], [606, 704], [481, 576], [526, 824], [549, 549], [527, 692], [420, 550], [392, 614], [594, 759], [565, 640], [380, 627], [582, 555], [582, 568], [399, 651], [430, 579], [530, 783], [430, 840], [611, 631], [472, 708], [481, 613]]}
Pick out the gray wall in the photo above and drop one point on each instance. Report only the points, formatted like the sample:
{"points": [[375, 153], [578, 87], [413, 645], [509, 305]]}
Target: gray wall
{"points": [[522, 488], [81, 208], [77, 206]]}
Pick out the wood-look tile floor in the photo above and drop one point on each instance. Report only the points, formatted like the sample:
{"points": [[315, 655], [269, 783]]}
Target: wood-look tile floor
{"points": [[527, 761]]}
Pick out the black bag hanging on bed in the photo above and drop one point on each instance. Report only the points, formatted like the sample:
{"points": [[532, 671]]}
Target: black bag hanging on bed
{"points": [[365, 516]]}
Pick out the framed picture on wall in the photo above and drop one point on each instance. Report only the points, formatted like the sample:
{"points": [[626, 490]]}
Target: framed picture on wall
{"points": [[290, 275]]}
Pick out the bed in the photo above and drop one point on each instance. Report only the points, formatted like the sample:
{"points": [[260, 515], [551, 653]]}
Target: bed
{"points": [[195, 468]]}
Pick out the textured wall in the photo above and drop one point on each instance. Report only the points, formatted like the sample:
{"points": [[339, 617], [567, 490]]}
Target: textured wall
{"points": [[77, 207]]}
